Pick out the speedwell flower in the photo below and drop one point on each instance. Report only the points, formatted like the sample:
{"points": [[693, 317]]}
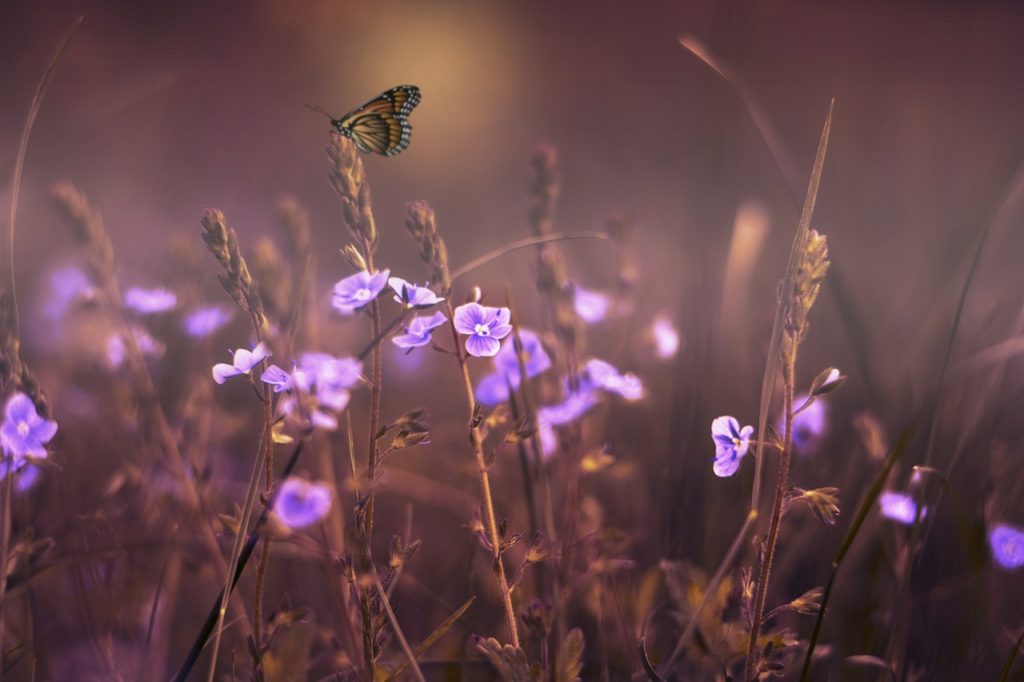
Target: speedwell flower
{"points": [[731, 444], [242, 363], [603, 375], [355, 291], [1007, 545], [301, 503], [493, 388], [898, 507], [205, 321], [590, 306], [413, 295], [417, 332], [150, 300], [666, 338], [485, 326], [23, 432]]}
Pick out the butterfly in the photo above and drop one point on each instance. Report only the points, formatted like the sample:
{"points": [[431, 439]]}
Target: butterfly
{"points": [[382, 124]]}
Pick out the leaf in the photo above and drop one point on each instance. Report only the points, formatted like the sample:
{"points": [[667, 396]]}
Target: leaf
{"points": [[570, 657]]}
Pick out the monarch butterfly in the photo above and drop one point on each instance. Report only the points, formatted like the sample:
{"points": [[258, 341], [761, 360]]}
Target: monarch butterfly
{"points": [[382, 124]]}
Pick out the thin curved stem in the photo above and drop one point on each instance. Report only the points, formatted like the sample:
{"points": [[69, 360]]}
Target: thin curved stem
{"points": [[523, 244]]}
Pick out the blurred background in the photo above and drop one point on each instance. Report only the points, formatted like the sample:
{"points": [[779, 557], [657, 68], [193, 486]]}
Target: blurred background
{"points": [[158, 112]]}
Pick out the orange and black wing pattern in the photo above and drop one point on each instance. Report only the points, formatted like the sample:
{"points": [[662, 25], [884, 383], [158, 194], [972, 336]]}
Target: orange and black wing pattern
{"points": [[382, 124]]}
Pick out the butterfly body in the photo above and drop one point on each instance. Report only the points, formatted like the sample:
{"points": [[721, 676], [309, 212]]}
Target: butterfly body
{"points": [[382, 124]]}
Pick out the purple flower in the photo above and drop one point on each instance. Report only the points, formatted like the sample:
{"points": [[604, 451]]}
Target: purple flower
{"points": [[485, 326], [318, 381], [417, 332], [148, 346], [809, 425], [731, 444], [603, 375], [576, 404], [278, 378], [68, 286], [150, 300], [591, 306], [666, 338], [898, 507], [26, 472], [301, 503], [1007, 545], [412, 295], [242, 363], [23, 432], [206, 321], [493, 388], [355, 291]]}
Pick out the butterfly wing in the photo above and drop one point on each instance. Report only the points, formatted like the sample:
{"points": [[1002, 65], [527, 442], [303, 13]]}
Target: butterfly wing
{"points": [[382, 124]]}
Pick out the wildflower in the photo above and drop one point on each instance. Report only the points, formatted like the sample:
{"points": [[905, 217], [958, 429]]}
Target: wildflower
{"points": [[603, 375], [279, 379], [666, 338], [301, 503], [148, 346], [809, 424], [205, 321], [731, 444], [412, 295], [242, 363], [68, 286], [26, 472], [355, 291], [417, 332], [148, 301], [319, 381], [590, 306], [23, 432], [576, 404], [1007, 545], [493, 388], [898, 507], [485, 326]]}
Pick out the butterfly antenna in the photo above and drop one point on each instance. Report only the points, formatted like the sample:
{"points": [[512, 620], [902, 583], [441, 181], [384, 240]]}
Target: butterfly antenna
{"points": [[320, 110]]}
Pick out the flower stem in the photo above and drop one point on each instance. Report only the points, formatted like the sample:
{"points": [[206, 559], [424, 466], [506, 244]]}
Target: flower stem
{"points": [[761, 590], [490, 524]]}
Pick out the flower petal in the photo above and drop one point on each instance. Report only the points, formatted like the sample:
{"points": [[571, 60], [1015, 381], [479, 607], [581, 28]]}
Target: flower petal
{"points": [[467, 316], [482, 346], [223, 371]]}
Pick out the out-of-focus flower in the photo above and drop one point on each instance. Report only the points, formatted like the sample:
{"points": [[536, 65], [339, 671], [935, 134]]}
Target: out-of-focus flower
{"points": [[485, 326], [412, 295], [576, 404], [898, 507], [205, 321], [417, 332], [242, 363], [318, 381], [148, 346], [809, 425], [26, 472], [68, 286], [1007, 545], [493, 388], [666, 338], [148, 301], [355, 291], [24, 433], [590, 306], [603, 375], [302, 503], [731, 444]]}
